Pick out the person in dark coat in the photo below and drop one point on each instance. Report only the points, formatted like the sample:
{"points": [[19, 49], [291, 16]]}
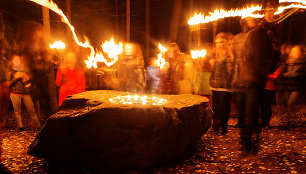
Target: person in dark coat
{"points": [[172, 72], [254, 60], [20, 83], [131, 71]]}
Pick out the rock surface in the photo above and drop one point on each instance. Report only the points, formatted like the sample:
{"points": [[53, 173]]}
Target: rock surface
{"points": [[91, 131]]}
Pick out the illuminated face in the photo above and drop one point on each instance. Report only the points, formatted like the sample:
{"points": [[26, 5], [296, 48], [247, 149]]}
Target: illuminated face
{"points": [[269, 13], [296, 52], [16, 60], [220, 43], [170, 53], [251, 22], [71, 59], [130, 49]]}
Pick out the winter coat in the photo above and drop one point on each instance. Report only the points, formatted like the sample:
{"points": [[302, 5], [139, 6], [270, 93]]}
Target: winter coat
{"points": [[152, 79], [132, 74], [187, 83], [222, 74], [70, 80], [20, 85], [254, 58], [293, 76], [272, 78], [170, 77]]}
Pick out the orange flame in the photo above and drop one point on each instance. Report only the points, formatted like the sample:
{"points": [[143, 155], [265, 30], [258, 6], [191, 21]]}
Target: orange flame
{"points": [[293, 1], [59, 45], [161, 61], [198, 53], [220, 14], [94, 57], [283, 8], [135, 99], [243, 13]]}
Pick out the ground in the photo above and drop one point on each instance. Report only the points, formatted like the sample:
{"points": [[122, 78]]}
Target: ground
{"points": [[281, 151]]}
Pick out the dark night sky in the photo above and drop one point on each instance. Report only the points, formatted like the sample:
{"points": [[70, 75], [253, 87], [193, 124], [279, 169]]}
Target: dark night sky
{"points": [[96, 19]]}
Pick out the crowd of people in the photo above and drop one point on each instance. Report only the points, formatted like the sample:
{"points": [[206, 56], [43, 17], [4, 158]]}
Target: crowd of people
{"points": [[252, 67]]}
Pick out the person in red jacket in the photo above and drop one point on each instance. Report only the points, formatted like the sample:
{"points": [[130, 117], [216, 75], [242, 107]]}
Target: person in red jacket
{"points": [[70, 78]]}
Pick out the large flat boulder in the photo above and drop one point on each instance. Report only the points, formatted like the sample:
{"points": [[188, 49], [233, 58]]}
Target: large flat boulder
{"points": [[91, 131]]}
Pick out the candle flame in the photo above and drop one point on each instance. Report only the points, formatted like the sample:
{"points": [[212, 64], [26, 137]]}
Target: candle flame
{"points": [[136, 99], [59, 45], [198, 53]]}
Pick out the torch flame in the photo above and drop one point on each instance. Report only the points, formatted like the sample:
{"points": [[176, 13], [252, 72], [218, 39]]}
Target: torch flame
{"points": [[293, 1], [161, 61], [59, 45], [198, 53], [243, 13], [112, 49], [220, 14], [94, 57], [135, 99]]}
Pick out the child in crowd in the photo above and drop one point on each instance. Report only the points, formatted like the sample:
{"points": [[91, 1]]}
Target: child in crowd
{"points": [[152, 76]]}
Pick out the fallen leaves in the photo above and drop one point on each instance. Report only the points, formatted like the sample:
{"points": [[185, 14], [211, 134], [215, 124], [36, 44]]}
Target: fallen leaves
{"points": [[280, 152]]}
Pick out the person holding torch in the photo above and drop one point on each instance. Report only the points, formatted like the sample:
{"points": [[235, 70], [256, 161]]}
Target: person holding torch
{"points": [[70, 78]]}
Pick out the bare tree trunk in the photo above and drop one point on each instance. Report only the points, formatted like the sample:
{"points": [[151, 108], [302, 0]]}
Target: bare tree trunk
{"points": [[68, 9], [46, 22], [175, 21], [190, 45], [51, 78], [117, 20], [147, 29], [128, 20]]}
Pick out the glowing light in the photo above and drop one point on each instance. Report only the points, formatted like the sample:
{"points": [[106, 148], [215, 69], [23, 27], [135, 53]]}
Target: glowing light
{"points": [[198, 53], [112, 48], [161, 61], [283, 8], [135, 99], [293, 1], [59, 45], [220, 14], [252, 11], [94, 57]]}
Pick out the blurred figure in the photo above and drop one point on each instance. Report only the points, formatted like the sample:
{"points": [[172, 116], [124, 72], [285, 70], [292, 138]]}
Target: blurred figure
{"points": [[33, 44], [220, 81], [152, 76], [253, 57], [131, 71], [292, 81], [20, 84], [268, 97], [172, 72], [269, 91], [187, 83], [203, 71], [70, 78], [5, 48]]}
